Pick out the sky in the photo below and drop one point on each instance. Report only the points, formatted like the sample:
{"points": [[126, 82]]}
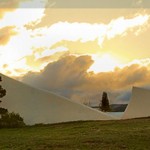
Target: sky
{"points": [[76, 49]]}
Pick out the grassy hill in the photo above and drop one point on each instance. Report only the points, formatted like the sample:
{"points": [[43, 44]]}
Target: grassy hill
{"points": [[91, 135]]}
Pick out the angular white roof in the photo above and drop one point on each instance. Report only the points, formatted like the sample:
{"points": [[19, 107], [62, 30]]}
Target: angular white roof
{"points": [[139, 105], [39, 106]]}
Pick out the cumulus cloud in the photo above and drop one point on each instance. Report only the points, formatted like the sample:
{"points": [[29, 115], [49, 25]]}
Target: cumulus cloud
{"points": [[22, 17], [123, 97], [64, 73], [69, 77], [10, 42], [79, 47], [90, 32], [6, 33], [54, 37], [4, 11], [37, 63]]}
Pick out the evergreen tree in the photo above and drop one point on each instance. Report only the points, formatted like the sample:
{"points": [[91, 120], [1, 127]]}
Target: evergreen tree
{"points": [[104, 105]]}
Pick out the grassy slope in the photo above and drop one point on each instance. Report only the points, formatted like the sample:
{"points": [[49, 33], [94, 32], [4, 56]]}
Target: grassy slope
{"points": [[95, 135]]}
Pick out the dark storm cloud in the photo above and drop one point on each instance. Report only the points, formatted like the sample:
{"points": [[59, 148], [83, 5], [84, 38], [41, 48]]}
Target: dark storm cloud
{"points": [[68, 72]]}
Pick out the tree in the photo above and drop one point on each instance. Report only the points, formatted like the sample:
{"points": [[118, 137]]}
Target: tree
{"points": [[2, 94], [104, 104], [9, 119], [2, 91], [3, 111]]}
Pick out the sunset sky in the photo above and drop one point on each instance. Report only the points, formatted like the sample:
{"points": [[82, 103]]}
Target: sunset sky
{"points": [[76, 52]]}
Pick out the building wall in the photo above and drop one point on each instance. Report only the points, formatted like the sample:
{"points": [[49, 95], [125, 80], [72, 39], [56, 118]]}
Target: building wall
{"points": [[39, 106], [139, 105]]}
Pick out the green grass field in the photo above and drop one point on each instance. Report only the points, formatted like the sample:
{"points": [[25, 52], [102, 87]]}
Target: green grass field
{"points": [[92, 135]]}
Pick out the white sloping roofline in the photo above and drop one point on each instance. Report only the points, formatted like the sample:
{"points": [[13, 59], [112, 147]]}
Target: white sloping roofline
{"points": [[139, 105], [40, 106]]}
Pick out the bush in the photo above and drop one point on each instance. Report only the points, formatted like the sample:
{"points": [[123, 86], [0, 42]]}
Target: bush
{"points": [[11, 120], [3, 111]]}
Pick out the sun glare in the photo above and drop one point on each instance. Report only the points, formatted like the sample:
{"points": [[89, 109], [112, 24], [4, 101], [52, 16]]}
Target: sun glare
{"points": [[103, 63]]}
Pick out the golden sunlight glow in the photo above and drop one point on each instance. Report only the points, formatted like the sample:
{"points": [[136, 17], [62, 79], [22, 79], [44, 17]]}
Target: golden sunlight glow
{"points": [[21, 17], [39, 40], [122, 25], [103, 63]]}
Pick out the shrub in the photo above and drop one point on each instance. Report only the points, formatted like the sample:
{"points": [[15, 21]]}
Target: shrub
{"points": [[11, 120]]}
